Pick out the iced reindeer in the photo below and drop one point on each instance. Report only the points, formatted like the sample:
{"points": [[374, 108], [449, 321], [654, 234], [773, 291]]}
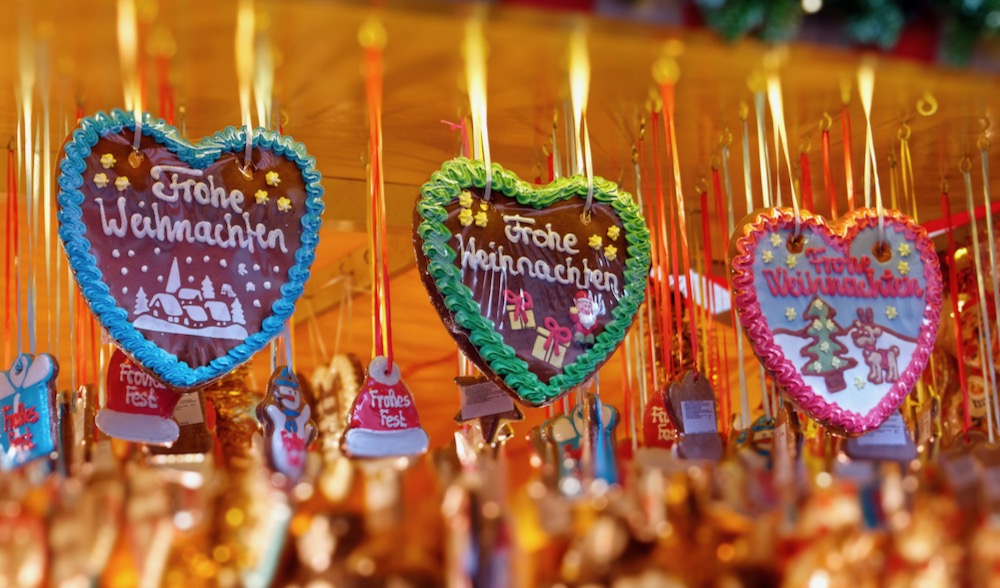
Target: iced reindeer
{"points": [[882, 363]]}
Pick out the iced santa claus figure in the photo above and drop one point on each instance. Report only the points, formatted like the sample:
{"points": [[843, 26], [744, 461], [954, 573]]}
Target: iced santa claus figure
{"points": [[584, 316]]}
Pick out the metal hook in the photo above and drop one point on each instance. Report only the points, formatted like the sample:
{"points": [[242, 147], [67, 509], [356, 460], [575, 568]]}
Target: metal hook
{"points": [[965, 164], [904, 132], [826, 122], [927, 105]]}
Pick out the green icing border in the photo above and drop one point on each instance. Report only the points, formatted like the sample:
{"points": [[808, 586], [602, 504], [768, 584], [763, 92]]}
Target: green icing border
{"points": [[460, 174]]}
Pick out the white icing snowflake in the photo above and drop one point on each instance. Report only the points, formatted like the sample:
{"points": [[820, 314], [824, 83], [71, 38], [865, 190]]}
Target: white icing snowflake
{"points": [[267, 285], [775, 239], [829, 325], [824, 346], [790, 313], [251, 287], [767, 256], [792, 261], [891, 312], [818, 303], [256, 303], [115, 253], [859, 382], [836, 361], [817, 366], [817, 325]]}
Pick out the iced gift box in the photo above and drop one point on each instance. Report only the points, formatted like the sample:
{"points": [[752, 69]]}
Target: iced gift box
{"points": [[519, 310], [552, 343]]}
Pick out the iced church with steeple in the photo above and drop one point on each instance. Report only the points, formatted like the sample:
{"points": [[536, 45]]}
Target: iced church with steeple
{"points": [[190, 311]]}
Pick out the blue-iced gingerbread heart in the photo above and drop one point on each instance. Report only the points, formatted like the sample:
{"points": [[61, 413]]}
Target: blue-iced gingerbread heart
{"points": [[191, 258]]}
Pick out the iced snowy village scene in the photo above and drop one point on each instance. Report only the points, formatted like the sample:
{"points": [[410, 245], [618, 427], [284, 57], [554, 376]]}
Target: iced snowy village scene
{"points": [[191, 311]]}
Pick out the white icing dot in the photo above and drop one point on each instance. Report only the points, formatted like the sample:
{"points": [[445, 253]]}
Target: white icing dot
{"points": [[125, 290], [144, 268], [190, 279], [256, 303], [256, 267], [267, 285], [188, 260], [131, 253], [156, 250], [142, 204], [276, 269], [205, 259], [251, 287], [124, 271], [115, 253], [223, 262], [159, 278]]}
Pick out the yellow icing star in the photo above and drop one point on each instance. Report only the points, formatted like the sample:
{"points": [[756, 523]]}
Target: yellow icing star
{"points": [[891, 312], [272, 178], [100, 180], [817, 325], [767, 256], [836, 361], [859, 382], [830, 325], [817, 366], [611, 252], [481, 219], [790, 313], [903, 249], [903, 267], [595, 241], [613, 232], [818, 303], [465, 199], [284, 204], [261, 196], [121, 183], [775, 239], [792, 261], [483, 206], [108, 160], [824, 346], [465, 217]]}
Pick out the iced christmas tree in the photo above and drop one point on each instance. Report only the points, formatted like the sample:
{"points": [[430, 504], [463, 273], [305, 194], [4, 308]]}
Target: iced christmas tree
{"points": [[826, 352], [207, 289], [236, 311], [141, 302]]}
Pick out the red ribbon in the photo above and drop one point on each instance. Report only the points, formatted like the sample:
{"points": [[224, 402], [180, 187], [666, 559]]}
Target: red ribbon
{"points": [[557, 336], [522, 304], [828, 187], [955, 315]]}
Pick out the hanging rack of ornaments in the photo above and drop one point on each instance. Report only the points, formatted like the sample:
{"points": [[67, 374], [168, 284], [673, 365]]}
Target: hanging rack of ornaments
{"points": [[722, 361]]}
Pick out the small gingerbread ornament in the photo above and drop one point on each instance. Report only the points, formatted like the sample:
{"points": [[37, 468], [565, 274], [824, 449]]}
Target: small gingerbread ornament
{"points": [[27, 417], [383, 421], [288, 426], [691, 402]]}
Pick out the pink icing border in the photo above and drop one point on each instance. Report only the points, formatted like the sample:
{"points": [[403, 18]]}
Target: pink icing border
{"points": [[838, 236]]}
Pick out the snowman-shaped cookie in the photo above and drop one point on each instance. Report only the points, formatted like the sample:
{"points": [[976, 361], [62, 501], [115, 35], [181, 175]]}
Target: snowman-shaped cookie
{"points": [[288, 428]]}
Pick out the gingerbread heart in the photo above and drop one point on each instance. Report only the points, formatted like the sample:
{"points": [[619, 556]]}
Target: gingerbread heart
{"points": [[537, 290], [191, 259], [846, 327]]}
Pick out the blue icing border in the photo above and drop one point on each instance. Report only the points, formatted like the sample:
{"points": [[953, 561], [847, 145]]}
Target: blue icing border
{"points": [[113, 318]]}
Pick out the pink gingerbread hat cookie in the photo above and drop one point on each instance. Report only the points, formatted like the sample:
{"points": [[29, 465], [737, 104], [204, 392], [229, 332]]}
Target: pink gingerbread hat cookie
{"points": [[383, 420], [139, 406]]}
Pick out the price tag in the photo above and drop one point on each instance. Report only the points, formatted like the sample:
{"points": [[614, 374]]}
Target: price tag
{"points": [[891, 432], [698, 416]]}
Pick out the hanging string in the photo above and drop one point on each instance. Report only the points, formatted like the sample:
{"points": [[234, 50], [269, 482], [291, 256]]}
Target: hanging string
{"points": [[45, 145], [720, 217], [984, 347], [26, 151], [778, 114], [762, 153], [893, 182], [955, 314], [906, 169], [829, 189], [245, 57], [805, 173], [263, 78], [372, 38], [866, 87], [652, 285], [748, 190], [579, 78], [845, 126], [474, 49], [667, 93], [984, 145], [665, 294], [12, 298], [128, 40]]}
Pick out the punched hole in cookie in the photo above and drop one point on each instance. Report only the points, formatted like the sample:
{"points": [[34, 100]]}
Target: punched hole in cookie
{"points": [[795, 244], [882, 251]]}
